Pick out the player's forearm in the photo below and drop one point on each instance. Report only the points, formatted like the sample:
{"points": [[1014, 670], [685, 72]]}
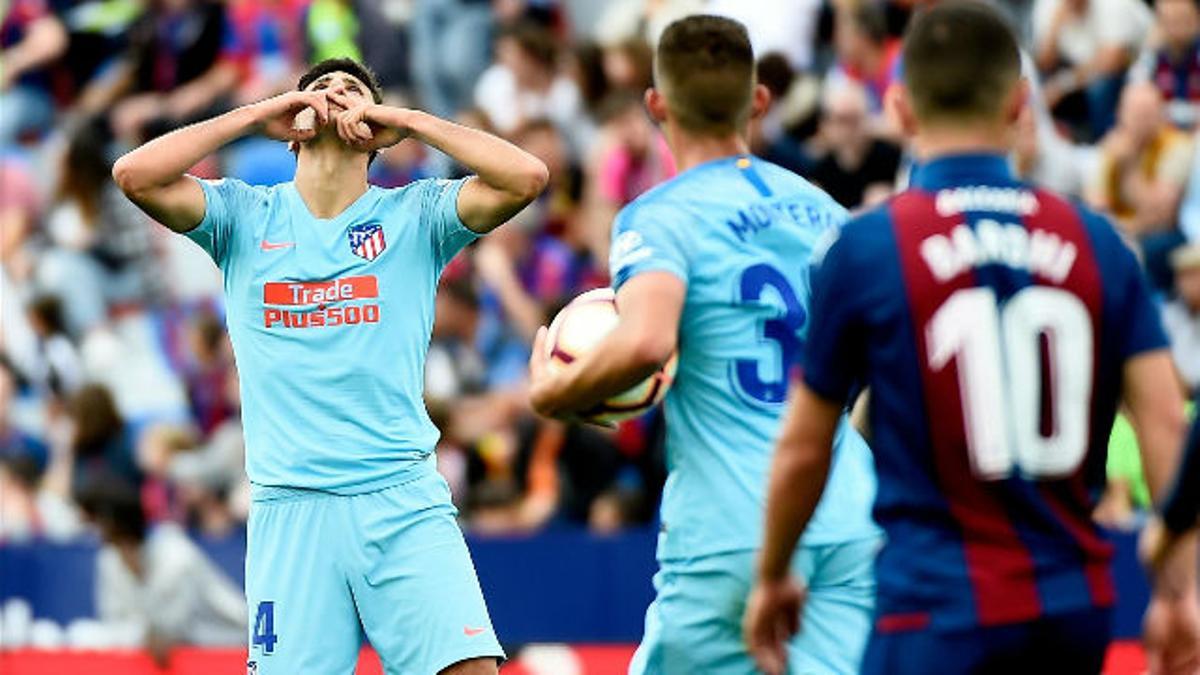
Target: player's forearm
{"points": [[1160, 438], [167, 158], [799, 468], [501, 165], [619, 362]]}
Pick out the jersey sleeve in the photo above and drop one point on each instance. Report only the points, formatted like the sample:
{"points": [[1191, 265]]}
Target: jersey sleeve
{"points": [[1135, 316], [439, 209], [646, 239], [224, 198], [834, 347]]}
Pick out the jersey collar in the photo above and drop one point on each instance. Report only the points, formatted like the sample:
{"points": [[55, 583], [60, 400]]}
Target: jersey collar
{"points": [[963, 169]]}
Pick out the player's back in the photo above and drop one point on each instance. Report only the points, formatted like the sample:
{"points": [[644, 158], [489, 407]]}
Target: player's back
{"points": [[739, 232], [995, 319]]}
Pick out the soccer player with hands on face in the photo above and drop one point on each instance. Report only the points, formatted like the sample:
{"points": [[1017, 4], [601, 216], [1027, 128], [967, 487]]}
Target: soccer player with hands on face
{"points": [[329, 286]]}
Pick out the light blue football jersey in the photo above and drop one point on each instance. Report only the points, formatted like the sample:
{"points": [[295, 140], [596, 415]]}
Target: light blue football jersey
{"points": [[739, 232], [330, 321]]}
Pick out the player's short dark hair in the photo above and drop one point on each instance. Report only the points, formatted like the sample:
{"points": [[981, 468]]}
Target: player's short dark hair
{"points": [[704, 66], [343, 65], [961, 60]]}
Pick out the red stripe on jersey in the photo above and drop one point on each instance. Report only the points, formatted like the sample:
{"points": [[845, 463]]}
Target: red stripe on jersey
{"points": [[1000, 567], [1069, 499], [895, 623]]}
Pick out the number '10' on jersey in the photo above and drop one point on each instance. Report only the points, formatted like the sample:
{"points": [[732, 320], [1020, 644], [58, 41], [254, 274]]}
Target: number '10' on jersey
{"points": [[991, 321]]}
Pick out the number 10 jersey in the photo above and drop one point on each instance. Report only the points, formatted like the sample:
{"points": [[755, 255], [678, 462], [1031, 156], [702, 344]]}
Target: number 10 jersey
{"points": [[991, 321]]}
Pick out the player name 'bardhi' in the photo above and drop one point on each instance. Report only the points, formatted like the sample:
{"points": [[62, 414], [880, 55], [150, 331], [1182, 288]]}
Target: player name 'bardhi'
{"points": [[994, 243]]}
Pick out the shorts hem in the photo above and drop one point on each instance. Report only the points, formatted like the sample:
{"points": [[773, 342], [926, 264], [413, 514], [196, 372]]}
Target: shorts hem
{"points": [[445, 661]]}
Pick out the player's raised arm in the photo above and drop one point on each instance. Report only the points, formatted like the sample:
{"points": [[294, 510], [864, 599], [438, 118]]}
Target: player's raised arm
{"points": [[641, 343], [506, 177], [154, 175]]}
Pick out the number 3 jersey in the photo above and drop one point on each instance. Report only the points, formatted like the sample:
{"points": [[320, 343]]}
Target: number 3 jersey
{"points": [[738, 232], [991, 321], [330, 321]]}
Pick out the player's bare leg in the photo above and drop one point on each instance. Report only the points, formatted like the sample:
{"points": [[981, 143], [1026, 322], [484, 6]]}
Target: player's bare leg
{"points": [[483, 666]]}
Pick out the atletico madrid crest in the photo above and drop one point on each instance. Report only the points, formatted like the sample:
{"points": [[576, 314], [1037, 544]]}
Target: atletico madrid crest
{"points": [[366, 241]]}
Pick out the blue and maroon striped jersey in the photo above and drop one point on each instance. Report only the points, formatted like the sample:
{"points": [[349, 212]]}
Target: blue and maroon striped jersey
{"points": [[991, 321]]}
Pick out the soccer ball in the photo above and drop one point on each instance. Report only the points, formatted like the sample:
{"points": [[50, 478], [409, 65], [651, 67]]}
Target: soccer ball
{"points": [[578, 328]]}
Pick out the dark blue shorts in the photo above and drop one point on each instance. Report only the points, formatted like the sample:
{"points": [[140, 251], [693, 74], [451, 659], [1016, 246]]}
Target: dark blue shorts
{"points": [[1065, 644]]}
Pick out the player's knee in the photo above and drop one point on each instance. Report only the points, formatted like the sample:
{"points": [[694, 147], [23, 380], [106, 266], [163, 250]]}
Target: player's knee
{"points": [[484, 666]]}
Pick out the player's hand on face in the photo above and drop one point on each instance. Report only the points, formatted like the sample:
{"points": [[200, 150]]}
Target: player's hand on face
{"points": [[772, 618], [1172, 634], [294, 116], [361, 125]]}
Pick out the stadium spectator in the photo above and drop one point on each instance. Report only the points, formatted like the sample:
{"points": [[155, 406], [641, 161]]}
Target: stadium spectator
{"points": [[1143, 166], [15, 443], [58, 371], [632, 157], [525, 83], [154, 588], [332, 30], [101, 256], [173, 74], [98, 37], [866, 54], [1085, 46], [1173, 64], [31, 38], [264, 46], [855, 168], [206, 370], [558, 207], [784, 28], [1181, 316], [450, 49], [100, 444]]}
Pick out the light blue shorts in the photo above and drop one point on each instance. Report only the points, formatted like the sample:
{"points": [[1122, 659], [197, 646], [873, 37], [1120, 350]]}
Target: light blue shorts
{"points": [[694, 624], [322, 570]]}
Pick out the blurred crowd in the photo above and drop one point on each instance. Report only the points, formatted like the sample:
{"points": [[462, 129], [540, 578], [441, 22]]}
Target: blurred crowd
{"points": [[118, 391]]}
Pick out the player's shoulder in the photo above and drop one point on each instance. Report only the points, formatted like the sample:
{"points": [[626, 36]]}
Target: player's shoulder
{"points": [[1105, 239], [655, 208], [868, 230]]}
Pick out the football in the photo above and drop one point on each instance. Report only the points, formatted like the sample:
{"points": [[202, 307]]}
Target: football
{"points": [[578, 328]]}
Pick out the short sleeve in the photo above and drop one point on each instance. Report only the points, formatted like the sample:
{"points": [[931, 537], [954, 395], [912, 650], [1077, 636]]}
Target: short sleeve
{"points": [[439, 210], [834, 347], [1134, 316], [644, 239], [224, 198]]}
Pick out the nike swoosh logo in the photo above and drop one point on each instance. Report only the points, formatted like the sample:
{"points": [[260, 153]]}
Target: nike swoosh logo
{"points": [[472, 632], [275, 246]]}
